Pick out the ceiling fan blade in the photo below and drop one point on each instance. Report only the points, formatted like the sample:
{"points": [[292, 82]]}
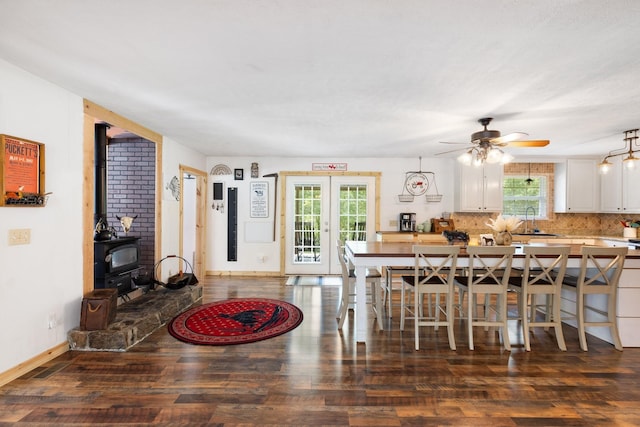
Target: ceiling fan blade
{"points": [[449, 142], [453, 151], [509, 137], [529, 143]]}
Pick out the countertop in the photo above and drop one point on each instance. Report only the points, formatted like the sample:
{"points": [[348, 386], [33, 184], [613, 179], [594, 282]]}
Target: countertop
{"points": [[530, 236]]}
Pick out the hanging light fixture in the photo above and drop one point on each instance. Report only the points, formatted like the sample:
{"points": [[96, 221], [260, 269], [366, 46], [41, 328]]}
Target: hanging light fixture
{"points": [[485, 152], [528, 181], [630, 137]]}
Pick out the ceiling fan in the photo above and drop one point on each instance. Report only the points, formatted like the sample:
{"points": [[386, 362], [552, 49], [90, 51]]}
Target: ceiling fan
{"points": [[487, 144]]}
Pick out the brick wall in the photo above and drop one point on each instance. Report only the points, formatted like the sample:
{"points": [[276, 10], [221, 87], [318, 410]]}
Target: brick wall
{"points": [[131, 191]]}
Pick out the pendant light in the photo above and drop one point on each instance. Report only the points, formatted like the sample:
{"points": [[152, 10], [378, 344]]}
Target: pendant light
{"points": [[528, 181], [629, 162]]}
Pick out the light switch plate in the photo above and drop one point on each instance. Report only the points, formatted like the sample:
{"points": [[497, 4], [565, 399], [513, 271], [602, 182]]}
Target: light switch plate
{"points": [[19, 236]]}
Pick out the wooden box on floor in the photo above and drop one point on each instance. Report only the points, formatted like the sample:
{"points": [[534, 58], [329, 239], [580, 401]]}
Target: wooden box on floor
{"points": [[98, 309]]}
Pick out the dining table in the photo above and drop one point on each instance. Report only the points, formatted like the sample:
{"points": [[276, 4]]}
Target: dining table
{"points": [[376, 254]]}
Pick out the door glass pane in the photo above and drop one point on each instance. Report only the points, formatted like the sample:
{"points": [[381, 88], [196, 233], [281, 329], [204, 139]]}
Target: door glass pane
{"points": [[306, 232], [353, 212]]}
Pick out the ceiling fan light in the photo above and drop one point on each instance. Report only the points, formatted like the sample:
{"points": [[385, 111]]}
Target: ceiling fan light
{"points": [[506, 158], [494, 155], [466, 158]]}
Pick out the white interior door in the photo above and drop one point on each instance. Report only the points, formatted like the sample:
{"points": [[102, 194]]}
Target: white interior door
{"points": [[321, 209]]}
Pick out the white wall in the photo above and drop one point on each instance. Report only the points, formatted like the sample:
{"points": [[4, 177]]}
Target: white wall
{"points": [[392, 180], [43, 278], [174, 155]]}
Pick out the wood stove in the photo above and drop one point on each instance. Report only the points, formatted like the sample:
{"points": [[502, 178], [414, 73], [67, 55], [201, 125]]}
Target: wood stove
{"points": [[116, 263]]}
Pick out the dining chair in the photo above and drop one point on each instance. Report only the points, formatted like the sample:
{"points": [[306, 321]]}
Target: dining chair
{"points": [[388, 288], [359, 232], [599, 274], [544, 270], [348, 293], [488, 275], [433, 275]]}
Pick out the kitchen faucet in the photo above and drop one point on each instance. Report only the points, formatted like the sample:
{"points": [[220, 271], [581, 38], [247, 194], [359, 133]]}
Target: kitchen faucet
{"points": [[526, 219]]}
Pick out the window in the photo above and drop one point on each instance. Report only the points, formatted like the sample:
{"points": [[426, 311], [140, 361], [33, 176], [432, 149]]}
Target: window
{"points": [[519, 194], [353, 212]]}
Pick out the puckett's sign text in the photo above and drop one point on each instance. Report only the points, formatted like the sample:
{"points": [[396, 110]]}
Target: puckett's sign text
{"points": [[21, 165]]}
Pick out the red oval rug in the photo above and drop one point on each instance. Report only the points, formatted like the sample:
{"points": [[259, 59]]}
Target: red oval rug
{"points": [[235, 321]]}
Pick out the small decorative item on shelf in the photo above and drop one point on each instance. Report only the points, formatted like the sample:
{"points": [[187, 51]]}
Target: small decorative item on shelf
{"points": [[456, 237], [630, 229], [487, 240], [502, 228], [126, 222]]}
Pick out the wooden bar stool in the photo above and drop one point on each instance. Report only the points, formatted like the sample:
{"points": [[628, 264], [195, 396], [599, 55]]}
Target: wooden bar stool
{"points": [[489, 270], [600, 270], [434, 271], [544, 270]]}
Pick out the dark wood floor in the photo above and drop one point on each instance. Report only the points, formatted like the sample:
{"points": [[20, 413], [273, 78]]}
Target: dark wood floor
{"points": [[316, 375]]}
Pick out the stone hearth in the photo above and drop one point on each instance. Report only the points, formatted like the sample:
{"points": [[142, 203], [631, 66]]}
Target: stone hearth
{"points": [[136, 319]]}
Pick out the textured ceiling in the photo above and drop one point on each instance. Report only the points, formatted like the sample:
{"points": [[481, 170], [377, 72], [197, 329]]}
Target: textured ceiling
{"points": [[334, 78]]}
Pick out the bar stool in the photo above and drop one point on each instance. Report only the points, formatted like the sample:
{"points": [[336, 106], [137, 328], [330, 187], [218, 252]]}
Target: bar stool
{"points": [[544, 270], [434, 272], [600, 269], [387, 285], [489, 270], [348, 293]]}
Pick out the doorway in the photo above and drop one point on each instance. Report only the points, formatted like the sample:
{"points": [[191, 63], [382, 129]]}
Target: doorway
{"points": [[193, 183], [319, 209]]}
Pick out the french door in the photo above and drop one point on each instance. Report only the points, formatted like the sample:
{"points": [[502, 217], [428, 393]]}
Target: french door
{"points": [[321, 209]]}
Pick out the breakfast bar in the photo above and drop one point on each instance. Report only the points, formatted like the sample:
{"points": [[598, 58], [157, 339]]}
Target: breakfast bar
{"points": [[378, 254]]}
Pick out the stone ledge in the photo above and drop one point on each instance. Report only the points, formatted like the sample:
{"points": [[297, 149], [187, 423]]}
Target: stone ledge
{"points": [[136, 319]]}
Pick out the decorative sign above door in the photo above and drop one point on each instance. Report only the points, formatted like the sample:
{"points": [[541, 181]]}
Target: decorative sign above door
{"points": [[329, 167]]}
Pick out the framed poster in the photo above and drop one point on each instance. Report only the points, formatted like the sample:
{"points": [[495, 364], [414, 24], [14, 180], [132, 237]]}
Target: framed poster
{"points": [[21, 172], [259, 203], [238, 174]]}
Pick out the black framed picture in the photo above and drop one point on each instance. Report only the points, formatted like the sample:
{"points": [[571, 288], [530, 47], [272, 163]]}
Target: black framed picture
{"points": [[238, 174]]}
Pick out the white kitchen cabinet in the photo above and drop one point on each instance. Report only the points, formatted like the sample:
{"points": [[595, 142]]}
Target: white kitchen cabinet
{"points": [[619, 188], [479, 189], [577, 186]]}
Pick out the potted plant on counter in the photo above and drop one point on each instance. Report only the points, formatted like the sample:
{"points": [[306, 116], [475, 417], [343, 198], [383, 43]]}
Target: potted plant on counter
{"points": [[502, 228]]}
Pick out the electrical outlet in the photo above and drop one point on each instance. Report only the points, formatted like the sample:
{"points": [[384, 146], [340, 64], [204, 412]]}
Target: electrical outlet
{"points": [[393, 223], [52, 323], [19, 236]]}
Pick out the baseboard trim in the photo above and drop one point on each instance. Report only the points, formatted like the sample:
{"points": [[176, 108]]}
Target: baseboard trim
{"points": [[34, 362], [244, 273]]}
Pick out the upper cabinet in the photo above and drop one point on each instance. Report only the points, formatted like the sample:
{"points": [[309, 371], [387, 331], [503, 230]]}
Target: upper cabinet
{"points": [[576, 186], [479, 189], [618, 189]]}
